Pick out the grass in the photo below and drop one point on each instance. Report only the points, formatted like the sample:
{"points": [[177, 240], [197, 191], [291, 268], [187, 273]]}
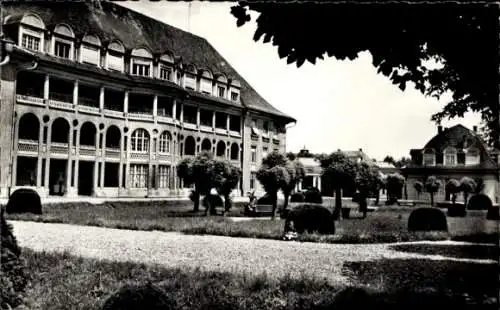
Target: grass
{"points": [[458, 251], [62, 281], [388, 224]]}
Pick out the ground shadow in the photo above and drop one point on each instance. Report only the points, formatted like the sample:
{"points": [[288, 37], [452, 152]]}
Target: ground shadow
{"points": [[476, 282], [456, 251]]}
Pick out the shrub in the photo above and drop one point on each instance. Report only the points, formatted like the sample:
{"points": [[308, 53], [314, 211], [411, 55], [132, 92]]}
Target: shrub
{"points": [[457, 210], [313, 195], [210, 202], [427, 219], [265, 200], [13, 278], [24, 200], [493, 213], [136, 297], [297, 197], [310, 218], [479, 202]]}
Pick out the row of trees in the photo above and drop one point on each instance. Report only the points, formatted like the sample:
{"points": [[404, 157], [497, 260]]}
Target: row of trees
{"points": [[466, 185], [206, 174]]}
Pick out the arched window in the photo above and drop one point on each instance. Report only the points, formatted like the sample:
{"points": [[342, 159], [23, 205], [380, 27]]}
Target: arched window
{"points": [[190, 77], [206, 145], [221, 85], [429, 158], [140, 141], [165, 142], [450, 156], [63, 41], [235, 151], [472, 157], [31, 32], [166, 67], [87, 134], [206, 82], [90, 50], [234, 90], [113, 137], [221, 149], [29, 127], [114, 57], [60, 131], [189, 146], [141, 63]]}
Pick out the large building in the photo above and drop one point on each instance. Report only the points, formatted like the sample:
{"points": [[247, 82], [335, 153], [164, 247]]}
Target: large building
{"points": [[99, 100], [453, 153]]}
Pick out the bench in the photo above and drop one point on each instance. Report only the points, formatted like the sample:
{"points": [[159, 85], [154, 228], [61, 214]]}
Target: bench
{"points": [[259, 210]]}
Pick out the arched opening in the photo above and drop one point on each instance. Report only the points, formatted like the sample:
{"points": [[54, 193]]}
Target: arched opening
{"points": [[113, 137], [206, 145], [140, 141], [29, 127], [429, 158], [235, 150], [165, 142], [60, 131], [87, 134], [189, 146], [221, 149]]}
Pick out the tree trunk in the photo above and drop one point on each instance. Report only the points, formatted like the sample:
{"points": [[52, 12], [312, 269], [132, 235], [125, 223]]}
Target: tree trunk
{"points": [[227, 203], [363, 205], [432, 199], [466, 195], [275, 204], [196, 201], [285, 203], [377, 198], [453, 198], [338, 203]]}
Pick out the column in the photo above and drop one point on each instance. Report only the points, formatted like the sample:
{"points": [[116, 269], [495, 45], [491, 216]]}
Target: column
{"points": [[227, 123], [198, 117], [46, 87], [40, 156], [47, 162], [182, 113], [120, 168], [77, 161], [68, 162], [125, 103], [101, 98], [174, 108], [126, 147], [75, 93], [105, 58], [319, 183], [96, 163], [213, 120], [103, 159], [155, 105]]}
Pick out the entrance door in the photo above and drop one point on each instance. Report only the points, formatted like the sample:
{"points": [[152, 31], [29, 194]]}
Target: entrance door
{"points": [[85, 178], [57, 177]]}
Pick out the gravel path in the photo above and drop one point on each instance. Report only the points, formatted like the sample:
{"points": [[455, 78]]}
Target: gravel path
{"points": [[170, 249]]}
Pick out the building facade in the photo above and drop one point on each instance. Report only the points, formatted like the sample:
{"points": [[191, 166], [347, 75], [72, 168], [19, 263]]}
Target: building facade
{"points": [[99, 100], [453, 153]]}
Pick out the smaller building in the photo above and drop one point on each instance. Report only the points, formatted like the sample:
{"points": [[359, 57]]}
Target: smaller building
{"points": [[453, 153]]}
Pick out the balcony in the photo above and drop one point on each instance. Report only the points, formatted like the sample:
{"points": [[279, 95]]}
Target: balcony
{"points": [[61, 101], [165, 119], [28, 147], [60, 149], [221, 131], [164, 157], [28, 99], [190, 126], [139, 156], [112, 154], [235, 134], [141, 116], [113, 113], [89, 110], [87, 151], [206, 128]]}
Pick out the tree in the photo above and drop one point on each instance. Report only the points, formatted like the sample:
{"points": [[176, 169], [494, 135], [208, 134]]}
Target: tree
{"points": [[389, 159], [453, 187], [381, 183], [340, 171], [432, 185], [291, 156], [467, 186], [227, 177], [274, 176], [394, 186], [296, 173], [366, 181], [404, 161], [419, 187], [402, 38]]}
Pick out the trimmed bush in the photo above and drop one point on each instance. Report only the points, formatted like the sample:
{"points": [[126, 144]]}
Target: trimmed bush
{"points": [[311, 218], [265, 200], [297, 197], [24, 200], [13, 277], [493, 213], [313, 195], [138, 297], [457, 210], [346, 213], [210, 202], [427, 219], [479, 202]]}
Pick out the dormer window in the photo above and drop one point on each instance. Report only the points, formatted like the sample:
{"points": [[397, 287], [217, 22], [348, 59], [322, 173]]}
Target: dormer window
{"points": [[206, 82], [472, 157], [235, 96], [90, 50], [141, 62], [450, 156], [429, 158], [165, 73], [114, 58], [221, 84], [166, 67], [31, 32], [63, 42], [190, 77], [235, 90]]}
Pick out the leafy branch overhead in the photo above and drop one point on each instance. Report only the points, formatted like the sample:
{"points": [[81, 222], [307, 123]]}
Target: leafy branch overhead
{"points": [[402, 39]]}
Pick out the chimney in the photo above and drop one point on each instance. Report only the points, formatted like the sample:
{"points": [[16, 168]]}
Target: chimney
{"points": [[474, 128], [361, 150], [440, 129]]}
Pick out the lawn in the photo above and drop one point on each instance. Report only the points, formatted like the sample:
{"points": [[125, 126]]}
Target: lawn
{"points": [[62, 281], [383, 225]]}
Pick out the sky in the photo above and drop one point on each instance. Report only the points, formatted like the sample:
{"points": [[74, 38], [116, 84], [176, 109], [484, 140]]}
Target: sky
{"points": [[338, 104]]}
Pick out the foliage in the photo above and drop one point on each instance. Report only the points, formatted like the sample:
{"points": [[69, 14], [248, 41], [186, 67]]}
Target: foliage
{"points": [[24, 200], [402, 39], [389, 159], [394, 186], [313, 195], [427, 219], [403, 161], [297, 197], [419, 187], [135, 297], [493, 214], [479, 202], [453, 187], [467, 186], [457, 210], [367, 182], [13, 276], [432, 185], [311, 218], [296, 173]]}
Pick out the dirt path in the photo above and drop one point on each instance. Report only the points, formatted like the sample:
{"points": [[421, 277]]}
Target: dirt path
{"points": [[170, 249]]}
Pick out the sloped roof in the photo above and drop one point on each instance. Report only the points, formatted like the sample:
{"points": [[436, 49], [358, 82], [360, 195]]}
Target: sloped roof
{"points": [[110, 21]]}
